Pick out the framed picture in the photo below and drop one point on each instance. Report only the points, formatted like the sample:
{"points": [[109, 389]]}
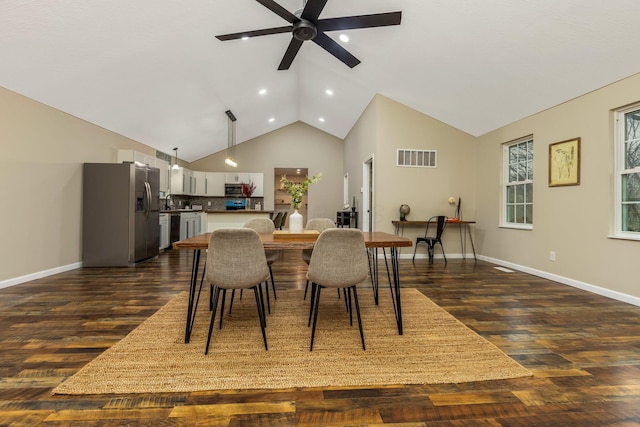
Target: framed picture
{"points": [[564, 163]]}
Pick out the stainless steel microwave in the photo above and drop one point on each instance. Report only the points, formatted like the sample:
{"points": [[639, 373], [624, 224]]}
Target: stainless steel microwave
{"points": [[233, 190]]}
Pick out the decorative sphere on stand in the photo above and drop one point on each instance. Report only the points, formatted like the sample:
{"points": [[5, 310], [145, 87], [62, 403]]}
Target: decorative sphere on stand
{"points": [[404, 211]]}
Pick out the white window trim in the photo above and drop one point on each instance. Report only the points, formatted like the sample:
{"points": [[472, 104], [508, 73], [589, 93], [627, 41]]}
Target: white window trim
{"points": [[503, 182], [619, 136]]}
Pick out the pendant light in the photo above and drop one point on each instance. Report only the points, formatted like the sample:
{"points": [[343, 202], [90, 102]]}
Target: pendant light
{"points": [[175, 165], [231, 150]]}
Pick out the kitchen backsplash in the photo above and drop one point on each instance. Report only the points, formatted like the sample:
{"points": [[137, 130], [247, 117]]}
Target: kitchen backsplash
{"points": [[217, 203]]}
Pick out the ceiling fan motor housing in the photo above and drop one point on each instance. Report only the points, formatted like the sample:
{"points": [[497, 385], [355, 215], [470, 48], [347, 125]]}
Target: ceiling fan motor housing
{"points": [[304, 30]]}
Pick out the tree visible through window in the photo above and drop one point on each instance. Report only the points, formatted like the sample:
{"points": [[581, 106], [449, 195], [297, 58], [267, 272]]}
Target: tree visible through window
{"points": [[518, 183], [628, 169]]}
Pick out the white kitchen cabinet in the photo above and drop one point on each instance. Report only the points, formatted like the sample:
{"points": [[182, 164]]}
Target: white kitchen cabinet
{"points": [[189, 224], [237, 177], [199, 183], [165, 171], [164, 230], [135, 156], [258, 181], [215, 184], [203, 221], [145, 159], [181, 181]]}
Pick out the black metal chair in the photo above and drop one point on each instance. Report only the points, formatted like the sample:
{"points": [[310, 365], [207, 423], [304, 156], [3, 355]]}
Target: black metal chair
{"points": [[432, 241], [277, 220]]}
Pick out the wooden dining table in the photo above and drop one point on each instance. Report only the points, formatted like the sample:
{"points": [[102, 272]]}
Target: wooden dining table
{"points": [[374, 241]]}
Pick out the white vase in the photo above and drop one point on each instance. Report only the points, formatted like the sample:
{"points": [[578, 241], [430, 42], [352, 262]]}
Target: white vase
{"points": [[295, 222]]}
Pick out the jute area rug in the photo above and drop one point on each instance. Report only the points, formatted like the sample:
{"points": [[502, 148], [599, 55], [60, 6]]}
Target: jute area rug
{"points": [[435, 348]]}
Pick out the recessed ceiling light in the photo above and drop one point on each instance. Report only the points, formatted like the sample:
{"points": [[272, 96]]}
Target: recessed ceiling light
{"points": [[328, 92], [245, 38], [344, 38], [272, 119], [321, 119], [262, 91]]}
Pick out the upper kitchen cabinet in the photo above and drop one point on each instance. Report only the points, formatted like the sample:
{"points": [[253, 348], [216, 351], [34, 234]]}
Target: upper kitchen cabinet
{"points": [[182, 181], [199, 183], [134, 156], [165, 171], [145, 159], [208, 184], [214, 186], [237, 177]]}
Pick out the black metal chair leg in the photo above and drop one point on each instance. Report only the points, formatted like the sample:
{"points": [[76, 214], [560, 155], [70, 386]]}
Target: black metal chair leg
{"points": [[263, 322], [313, 299], [316, 303], [355, 298], [350, 307], [224, 297], [233, 295], [213, 317], [273, 284], [306, 287], [266, 289]]}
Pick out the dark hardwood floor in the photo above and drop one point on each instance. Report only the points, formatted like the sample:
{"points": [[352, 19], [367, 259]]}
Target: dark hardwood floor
{"points": [[583, 349]]}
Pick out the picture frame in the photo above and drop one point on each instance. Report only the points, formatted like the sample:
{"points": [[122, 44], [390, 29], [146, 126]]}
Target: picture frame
{"points": [[564, 163]]}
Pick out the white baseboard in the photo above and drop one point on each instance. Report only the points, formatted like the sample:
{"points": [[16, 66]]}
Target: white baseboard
{"points": [[38, 275], [630, 299]]}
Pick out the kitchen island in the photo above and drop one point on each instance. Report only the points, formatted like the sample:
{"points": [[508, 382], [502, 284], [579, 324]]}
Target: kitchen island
{"points": [[237, 218]]}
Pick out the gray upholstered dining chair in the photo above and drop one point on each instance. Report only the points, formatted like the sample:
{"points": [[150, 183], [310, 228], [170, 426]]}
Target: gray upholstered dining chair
{"points": [[265, 225], [339, 260], [317, 224], [236, 260]]}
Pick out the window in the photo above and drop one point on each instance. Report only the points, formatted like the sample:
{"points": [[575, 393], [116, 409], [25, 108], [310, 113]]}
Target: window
{"points": [[518, 183], [627, 182]]}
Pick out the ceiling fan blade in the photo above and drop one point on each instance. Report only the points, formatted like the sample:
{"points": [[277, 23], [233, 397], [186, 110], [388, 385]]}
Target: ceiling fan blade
{"points": [[290, 54], [313, 9], [279, 10], [255, 33], [360, 21], [328, 44]]}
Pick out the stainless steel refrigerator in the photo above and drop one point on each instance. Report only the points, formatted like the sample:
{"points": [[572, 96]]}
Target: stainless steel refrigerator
{"points": [[121, 208]]}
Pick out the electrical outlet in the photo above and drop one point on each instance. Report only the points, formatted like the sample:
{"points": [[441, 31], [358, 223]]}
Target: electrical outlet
{"points": [[552, 256], [208, 203]]}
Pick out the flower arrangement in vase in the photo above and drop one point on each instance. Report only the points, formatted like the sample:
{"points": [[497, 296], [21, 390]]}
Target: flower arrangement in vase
{"points": [[297, 190], [247, 191]]}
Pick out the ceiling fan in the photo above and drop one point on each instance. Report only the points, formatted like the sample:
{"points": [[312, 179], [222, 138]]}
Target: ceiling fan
{"points": [[305, 26]]}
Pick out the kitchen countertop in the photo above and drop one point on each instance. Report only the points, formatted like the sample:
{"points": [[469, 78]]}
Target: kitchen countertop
{"points": [[238, 211]]}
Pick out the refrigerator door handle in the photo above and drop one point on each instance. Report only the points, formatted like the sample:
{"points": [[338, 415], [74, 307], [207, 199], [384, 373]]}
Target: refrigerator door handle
{"points": [[148, 191]]}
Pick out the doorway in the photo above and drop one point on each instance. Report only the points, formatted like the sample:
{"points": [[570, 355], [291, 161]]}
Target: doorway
{"points": [[368, 195], [282, 199]]}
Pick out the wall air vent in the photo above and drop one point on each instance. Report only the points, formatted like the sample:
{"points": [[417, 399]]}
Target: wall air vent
{"points": [[416, 158]]}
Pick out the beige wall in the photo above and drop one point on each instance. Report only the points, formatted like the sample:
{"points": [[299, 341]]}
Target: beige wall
{"points": [[41, 181], [360, 145], [384, 127], [572, 221], [295, 146]]}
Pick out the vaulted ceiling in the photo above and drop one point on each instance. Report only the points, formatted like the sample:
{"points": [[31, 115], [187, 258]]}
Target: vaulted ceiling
{"points": [[152, 70]]}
